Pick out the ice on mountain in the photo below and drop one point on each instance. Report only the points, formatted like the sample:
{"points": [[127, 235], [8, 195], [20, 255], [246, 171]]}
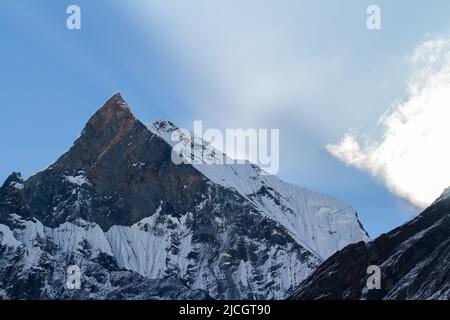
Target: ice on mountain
{"points": [[70, 237], [16, 185], [78, 180], [7, 237]]}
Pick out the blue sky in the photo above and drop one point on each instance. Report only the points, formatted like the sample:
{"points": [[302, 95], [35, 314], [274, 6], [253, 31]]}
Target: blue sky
{"points": [[310, 68]]}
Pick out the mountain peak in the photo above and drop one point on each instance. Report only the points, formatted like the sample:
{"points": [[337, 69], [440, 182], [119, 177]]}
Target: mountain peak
{"points": [[108, 126], [14, 179], [115, 104], [113, 118], [444, 196], [117, 98]]}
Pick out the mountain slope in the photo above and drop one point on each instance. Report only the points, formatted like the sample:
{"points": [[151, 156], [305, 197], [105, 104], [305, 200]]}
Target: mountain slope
{"points": [[414, 261], [319, 222], [116, 202]]}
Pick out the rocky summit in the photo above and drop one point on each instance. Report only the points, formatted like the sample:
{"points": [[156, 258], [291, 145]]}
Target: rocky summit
{"points": [[139, 226]]}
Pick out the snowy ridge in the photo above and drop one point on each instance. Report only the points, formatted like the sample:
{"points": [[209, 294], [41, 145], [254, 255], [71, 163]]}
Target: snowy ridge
{"points": [[318, 222]]}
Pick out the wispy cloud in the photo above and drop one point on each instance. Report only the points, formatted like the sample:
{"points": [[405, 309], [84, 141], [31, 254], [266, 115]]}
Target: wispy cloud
{"points": [[412, 155], [246, 62]]}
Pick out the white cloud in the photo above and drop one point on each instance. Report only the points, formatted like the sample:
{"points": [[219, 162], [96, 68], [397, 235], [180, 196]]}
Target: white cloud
{"points": [[413, 155]]}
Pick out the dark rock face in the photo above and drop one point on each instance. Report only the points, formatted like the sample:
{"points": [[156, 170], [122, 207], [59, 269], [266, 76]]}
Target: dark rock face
{"points": [[414, 260], [116, 187], [138, 226]]}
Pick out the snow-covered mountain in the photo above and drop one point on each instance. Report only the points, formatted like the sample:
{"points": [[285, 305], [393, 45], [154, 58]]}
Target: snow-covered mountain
{"points": [[317, 221], [141, 227]]}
